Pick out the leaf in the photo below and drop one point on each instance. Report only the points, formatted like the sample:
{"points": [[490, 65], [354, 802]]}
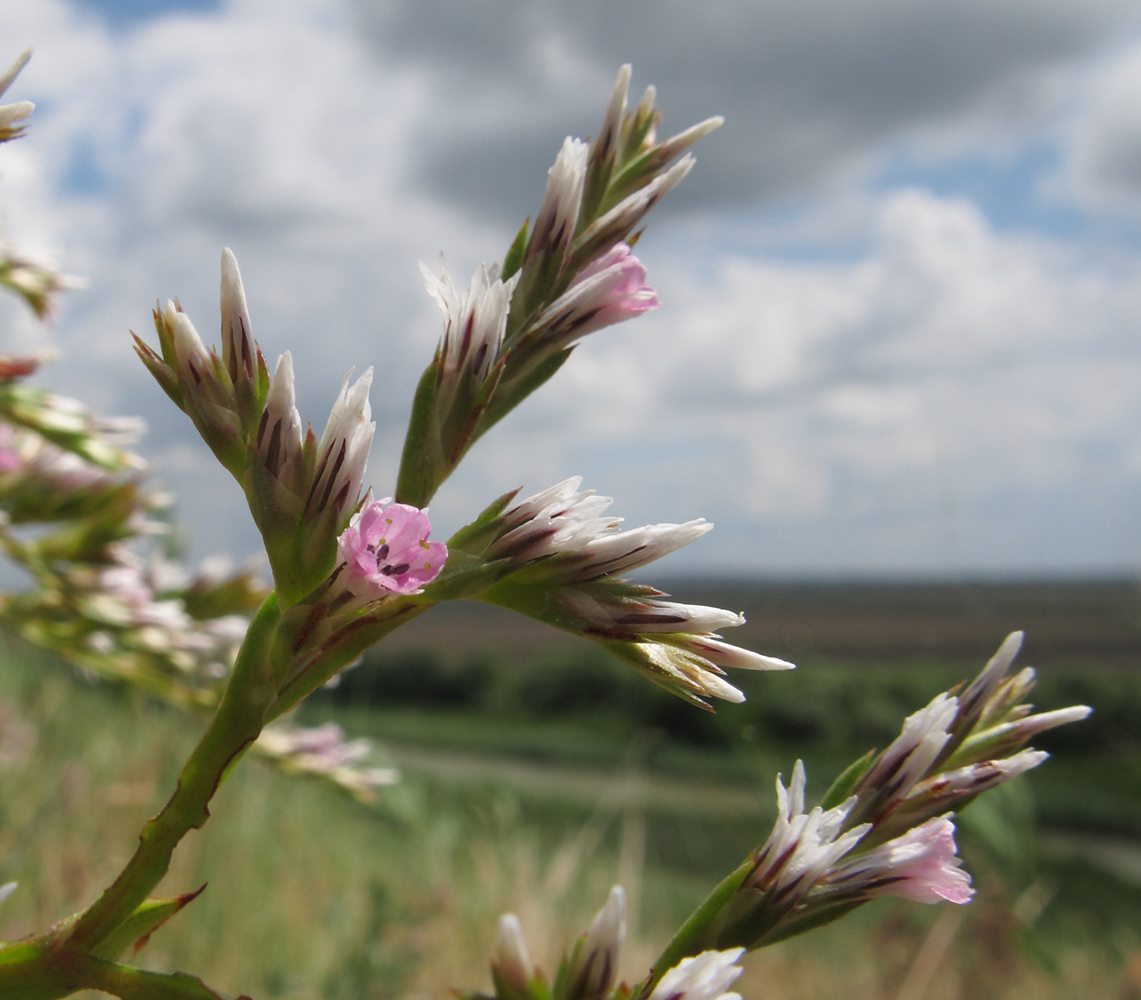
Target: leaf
{"points": [[514, 259], [140, 925], [842, 787]]}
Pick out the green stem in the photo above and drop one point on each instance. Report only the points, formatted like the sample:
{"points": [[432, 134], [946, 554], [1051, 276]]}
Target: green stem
{"points": [[236, 724], [694, 935]]}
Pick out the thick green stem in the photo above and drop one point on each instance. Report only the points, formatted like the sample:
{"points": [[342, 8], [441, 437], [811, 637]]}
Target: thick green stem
{"points": [[694, 936], [236, 724]]}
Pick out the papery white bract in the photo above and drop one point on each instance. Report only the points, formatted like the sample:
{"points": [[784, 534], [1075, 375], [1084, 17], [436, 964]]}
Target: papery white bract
{"points": [[707, 976], [594, 964], [474, 322], [912, 753], [342, 452], [279, 437], [563, 522], [563, 541], [802, 846], [385, 550]]}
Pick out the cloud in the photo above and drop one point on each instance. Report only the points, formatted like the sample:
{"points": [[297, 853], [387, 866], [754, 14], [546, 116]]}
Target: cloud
{"points": [[810, 90], [953, 377], [880, 378]]}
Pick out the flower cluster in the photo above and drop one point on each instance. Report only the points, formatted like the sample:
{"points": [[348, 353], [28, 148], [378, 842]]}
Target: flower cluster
{"points": [[589, 970], [301, 490], [323, 751], [558, 556], [571, 274], [885, 828]]}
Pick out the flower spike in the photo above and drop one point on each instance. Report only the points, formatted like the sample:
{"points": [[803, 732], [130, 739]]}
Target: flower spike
{"points": [[559, 556]]}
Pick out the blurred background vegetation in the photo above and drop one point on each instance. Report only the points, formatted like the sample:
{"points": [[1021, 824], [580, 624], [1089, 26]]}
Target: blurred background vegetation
{"points": [[537, 772]]}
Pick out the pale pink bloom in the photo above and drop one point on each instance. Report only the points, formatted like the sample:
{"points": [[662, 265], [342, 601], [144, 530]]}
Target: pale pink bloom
{"points": [[609, 289], [707, 976], [921, 865], [323, 750], [9, 456], [385, 550]]}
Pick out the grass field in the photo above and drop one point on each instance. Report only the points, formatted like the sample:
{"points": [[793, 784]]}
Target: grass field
{"points": [[536, 774]]}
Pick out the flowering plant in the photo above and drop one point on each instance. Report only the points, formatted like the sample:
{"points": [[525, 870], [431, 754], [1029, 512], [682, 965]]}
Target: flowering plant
{"points": [[348, 569]]}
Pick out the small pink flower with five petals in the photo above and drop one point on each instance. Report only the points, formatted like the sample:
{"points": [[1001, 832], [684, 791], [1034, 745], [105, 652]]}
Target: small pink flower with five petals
{"points": [[385, 550]]}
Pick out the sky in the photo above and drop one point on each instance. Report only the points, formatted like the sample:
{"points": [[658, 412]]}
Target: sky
{"points": [[900, 290]]}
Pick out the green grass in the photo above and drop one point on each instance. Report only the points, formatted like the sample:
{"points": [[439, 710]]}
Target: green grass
{"points": [[508, 804]]}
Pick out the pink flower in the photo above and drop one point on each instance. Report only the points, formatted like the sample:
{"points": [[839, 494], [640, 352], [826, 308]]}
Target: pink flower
{"points": [[921, 866], [610, 289], [385, 550], [9, 449]]}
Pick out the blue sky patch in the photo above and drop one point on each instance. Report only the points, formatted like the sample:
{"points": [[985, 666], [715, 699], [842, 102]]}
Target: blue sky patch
{"points": [[122, 13]]}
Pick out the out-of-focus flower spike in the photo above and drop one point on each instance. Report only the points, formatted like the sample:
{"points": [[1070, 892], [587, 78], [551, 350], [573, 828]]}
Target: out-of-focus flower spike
{"points": [[11, 117], [12, 114], [707, 976], [7, 888], [13, 71], [36, 281], [323, 751], [593, 966], [511, 968]]}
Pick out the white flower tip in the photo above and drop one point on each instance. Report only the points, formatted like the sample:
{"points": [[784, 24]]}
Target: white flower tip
{"points": [[510, 951], [6, 890], [233, 292], [14, 70], [773, 663], [611, 919]]}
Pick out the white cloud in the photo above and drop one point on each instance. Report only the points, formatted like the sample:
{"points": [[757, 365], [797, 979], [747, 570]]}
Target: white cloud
{"points": [[837, 409]]}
